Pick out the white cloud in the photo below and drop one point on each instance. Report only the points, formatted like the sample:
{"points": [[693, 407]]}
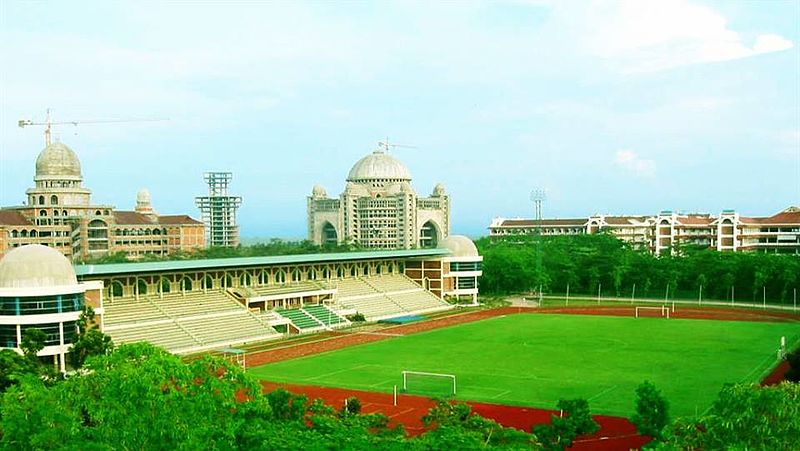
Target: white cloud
{"points": [[649, 36], [631, 162]]}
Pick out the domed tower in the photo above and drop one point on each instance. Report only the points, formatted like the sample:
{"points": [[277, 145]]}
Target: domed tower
{"points": [[378, 208], [58, 179]]}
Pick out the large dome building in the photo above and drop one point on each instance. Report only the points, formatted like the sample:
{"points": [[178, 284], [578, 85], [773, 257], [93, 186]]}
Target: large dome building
{"points": [[379, 208], [58, 212]]}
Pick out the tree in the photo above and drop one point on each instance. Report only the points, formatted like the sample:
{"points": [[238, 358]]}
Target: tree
{"points": [[793, 374], [744, 417], [13, 367], [563, 430], [578, 412], [33, 341], [652, 410], [89, 340]]}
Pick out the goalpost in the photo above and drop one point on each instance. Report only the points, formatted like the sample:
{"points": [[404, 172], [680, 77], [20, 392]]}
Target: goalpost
{"points": [[423, 382], [663, 310]]}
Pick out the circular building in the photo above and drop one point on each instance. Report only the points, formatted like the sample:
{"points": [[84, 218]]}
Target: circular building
{"points": [[38, 289], [379, 209], [461, 269]]}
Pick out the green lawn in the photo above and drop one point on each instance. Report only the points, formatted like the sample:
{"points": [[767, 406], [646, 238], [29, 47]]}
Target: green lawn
{"points": [[537, 359]]}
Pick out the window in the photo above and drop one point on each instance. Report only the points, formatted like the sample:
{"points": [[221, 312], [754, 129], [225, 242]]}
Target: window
{"points": [[53, 200]]}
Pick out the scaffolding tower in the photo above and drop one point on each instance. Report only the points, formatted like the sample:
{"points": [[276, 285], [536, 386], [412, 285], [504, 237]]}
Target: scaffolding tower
{"points": [[219, 210]]}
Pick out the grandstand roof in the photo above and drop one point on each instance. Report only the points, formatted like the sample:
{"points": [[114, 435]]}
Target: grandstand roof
{"points": [[184, 265]]}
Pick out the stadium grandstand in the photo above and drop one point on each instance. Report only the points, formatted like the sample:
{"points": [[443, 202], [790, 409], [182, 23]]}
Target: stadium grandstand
{"points": [[189, 306]]}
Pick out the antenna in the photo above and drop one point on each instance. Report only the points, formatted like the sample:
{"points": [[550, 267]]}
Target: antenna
{"points": [[383, 146], [48, 124]]}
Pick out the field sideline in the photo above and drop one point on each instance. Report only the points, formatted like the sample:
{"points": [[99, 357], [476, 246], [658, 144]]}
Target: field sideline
{"points": [[534, 360]]}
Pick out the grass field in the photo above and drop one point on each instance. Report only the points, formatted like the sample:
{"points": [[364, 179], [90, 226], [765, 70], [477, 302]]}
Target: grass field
{"points": [[536, 359]]}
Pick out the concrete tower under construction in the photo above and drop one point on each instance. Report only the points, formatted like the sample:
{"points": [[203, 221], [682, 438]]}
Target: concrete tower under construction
{"points": [[219, 210]]}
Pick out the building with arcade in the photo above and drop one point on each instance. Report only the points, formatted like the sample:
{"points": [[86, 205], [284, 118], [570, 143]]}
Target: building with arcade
{"points": [[58, 212]]}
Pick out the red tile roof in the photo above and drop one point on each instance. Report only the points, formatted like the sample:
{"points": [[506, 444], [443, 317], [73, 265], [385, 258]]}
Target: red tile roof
{"points": [[624, 220], [177, 219], [11, 217], [131, 218], [695, 220]]}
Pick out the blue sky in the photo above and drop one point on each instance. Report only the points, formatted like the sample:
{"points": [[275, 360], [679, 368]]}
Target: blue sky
{"points": [[623, 107]]}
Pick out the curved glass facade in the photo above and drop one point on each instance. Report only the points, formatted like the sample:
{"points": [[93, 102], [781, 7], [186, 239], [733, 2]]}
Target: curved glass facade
{"points": [[8, 333], [40, 305]]}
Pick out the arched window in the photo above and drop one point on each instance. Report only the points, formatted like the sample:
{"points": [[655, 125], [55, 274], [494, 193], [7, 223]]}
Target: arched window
{"points": [[390, 268], [227, 281], [429, 235], [156, 232], [296, 275], [141, 286], [280, 277], [24, 234], [116, 289], [34, 233], [244, 280], [42, 212], [329, 235], [352, 271], [55, 212], [186, 284], [64, 213], [326, 273], [263, 278], [165, 285], [53, 200], [98, 213], [14, 234], [208, 282], [312, 274], [340, 272], [365, 270], [41, 200]]}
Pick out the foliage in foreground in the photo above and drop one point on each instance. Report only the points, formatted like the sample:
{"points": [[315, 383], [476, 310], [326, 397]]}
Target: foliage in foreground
{"points": [[652, 411], [141, 397], [745, 417]]}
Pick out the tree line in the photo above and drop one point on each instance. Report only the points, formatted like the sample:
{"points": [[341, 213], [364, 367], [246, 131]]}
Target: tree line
{"points": [[592, 264]]}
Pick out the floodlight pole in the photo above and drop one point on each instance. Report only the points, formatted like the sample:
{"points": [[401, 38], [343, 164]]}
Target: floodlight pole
{"points": [[633, 293]]}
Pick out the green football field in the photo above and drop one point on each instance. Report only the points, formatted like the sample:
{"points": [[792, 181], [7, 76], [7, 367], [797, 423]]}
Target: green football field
{"points": [[537, 359]]}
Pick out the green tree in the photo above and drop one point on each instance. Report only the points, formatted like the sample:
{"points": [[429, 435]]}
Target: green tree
{"points": [[744, 417], [13, 367], [33, 341], [652, 410], [89, 341]]}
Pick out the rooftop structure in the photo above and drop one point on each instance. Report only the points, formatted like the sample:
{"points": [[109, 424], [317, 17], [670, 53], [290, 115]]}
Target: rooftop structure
{"points": [[58, 212], [379, 208], [661, 233], [219, 211]]}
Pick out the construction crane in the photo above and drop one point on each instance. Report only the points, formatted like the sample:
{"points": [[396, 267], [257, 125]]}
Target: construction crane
{"points": [[48, 124], [386, 145]]}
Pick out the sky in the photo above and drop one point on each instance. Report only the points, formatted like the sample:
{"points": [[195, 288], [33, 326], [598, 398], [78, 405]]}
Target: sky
{"points": [[612, 107]]}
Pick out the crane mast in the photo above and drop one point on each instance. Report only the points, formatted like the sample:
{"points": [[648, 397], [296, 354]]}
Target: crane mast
{"points": [[48, 124]]}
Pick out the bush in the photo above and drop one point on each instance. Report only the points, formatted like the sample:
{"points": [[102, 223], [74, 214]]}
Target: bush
{"points": [[357, 317], [652, 410]]}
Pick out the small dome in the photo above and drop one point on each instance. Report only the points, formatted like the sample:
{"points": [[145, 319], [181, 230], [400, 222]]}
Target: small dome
{"points": [[318, 191], [459, 245], [378, 166], [143, 197], [58, 160], [35, 266], [438, 190]]}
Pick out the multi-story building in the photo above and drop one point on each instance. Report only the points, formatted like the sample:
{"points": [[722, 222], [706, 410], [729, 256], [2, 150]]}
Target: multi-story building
{"points": [[779, 233], [379, 209], [59, 213]]}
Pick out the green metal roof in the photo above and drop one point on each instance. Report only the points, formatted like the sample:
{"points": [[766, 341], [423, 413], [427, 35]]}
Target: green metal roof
{"points": [[84, 271]]}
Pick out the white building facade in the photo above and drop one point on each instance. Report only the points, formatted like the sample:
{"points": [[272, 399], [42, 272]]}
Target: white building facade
{"points": [[379, 209]]}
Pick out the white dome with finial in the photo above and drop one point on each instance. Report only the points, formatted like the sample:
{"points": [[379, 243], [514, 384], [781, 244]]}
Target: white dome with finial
{"points": [[378, 166], [58, 161]]}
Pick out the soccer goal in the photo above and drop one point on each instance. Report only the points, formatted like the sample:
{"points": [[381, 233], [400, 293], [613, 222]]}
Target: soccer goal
{"points": [[662, 311], [430, 384]]}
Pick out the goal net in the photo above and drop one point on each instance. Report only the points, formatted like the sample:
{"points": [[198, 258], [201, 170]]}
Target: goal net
{"points": [[429, 384], [658, 312]]}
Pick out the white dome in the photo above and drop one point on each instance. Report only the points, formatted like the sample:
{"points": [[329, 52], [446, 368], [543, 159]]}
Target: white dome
{"points": [[58, 160], [378, 166], [459, 245], [438, 190], [143, 197], [35, 266]]}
